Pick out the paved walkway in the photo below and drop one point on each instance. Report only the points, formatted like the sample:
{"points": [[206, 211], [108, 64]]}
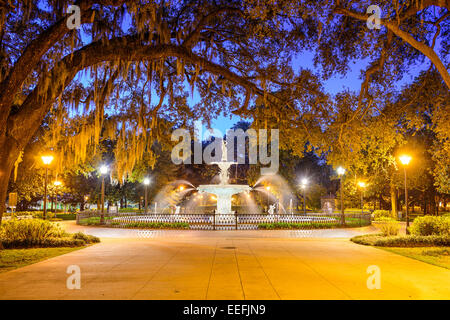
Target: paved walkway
{"points": [[226, 265]]}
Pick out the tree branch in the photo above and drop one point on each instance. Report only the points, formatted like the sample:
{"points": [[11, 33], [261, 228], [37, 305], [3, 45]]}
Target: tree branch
{"points": [[422, 47]]}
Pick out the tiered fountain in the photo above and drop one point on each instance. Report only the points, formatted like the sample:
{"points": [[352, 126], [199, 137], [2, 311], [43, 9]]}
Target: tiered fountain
{"points": [[223, 191]]}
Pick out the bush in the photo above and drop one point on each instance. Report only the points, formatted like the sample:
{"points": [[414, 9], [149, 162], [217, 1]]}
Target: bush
{"points": [[85, 237], [43, 243], [21, 213], [30, 229], [430, 225], [387, 225], [378, 214], [403, 241], [39, 233]]}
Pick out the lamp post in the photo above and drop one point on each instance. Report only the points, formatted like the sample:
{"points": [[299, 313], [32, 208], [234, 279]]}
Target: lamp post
{"points": [[86, 199], [405, 159], [304, 183], [57, 184], [341, 171], [146, 183], [103, 171], [46, 160], [268, 190], [362, 185]]}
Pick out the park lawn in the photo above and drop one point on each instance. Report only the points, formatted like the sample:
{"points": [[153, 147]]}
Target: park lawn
{"points": [[11, 259], [438, 256]]}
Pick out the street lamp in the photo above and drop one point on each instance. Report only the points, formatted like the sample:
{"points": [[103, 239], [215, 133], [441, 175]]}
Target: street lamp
{"points": [[304, 183], [341, 171], [362, 185], [103, 171], [86, 199], [57, 184], [47, 160], [146, 183], [405, 159]]}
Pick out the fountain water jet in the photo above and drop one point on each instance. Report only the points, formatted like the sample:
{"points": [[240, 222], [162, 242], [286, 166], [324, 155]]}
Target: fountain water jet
{"points": [[223, 191]]}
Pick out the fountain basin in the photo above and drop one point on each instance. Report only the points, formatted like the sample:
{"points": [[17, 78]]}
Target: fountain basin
{"points": [[223, 192]]}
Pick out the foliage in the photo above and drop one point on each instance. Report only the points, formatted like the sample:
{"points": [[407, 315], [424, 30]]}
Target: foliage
{"points": [[387, 225], [42, 243], [430, 225], [39, 233], [379, 214], [30, 230], [92, 221], [85, 237], [403, 241]]}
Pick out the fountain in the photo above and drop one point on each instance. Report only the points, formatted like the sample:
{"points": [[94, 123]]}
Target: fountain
{"points": [[223, 191]]}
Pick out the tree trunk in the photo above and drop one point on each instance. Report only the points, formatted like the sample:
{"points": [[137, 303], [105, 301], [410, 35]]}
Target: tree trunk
{"points": [[394, 201], [432, 201], [9, 152]]}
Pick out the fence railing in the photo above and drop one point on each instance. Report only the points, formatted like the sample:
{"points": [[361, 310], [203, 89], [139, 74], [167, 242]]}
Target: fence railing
{"points": [[207, 221]]}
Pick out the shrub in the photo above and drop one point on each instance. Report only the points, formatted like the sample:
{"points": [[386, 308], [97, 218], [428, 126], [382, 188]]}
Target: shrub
{"points": [[377, 214], [43, 243], [430, 225], [403, 241], [30, 229], [387, 225], [39, 233], [85, 237]]}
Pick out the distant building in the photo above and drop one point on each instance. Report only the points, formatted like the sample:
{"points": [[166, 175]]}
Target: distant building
{"points": [[328, 203]]}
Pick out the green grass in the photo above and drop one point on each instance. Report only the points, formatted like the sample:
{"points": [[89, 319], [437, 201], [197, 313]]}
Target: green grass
{"points": [[11, 259], [438, 256], [92, 221]]}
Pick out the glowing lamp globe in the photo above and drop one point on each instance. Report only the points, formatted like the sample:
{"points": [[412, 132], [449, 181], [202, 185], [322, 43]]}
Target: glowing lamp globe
{"points": [[405, 159], [47, 159]]}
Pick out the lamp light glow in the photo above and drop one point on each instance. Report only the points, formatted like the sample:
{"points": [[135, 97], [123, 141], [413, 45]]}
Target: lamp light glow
{"points": [[57, 183], [103, 169], [405, 159], [362, 184], [47, 159], [146, 181], [340, 171]]}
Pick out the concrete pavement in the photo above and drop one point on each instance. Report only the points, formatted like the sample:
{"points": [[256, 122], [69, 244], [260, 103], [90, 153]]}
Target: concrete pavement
{"points": [[226, 265]]}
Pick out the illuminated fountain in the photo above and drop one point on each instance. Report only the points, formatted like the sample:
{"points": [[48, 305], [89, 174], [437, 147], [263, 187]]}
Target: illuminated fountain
{"points": [[223, 191]]}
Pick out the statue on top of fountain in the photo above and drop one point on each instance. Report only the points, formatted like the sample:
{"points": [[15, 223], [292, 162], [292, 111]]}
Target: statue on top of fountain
{"points": [[224, 165]]}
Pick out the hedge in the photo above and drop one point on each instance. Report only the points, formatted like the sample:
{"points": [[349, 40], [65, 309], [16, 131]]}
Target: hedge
{"points": [[403, 241]]}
